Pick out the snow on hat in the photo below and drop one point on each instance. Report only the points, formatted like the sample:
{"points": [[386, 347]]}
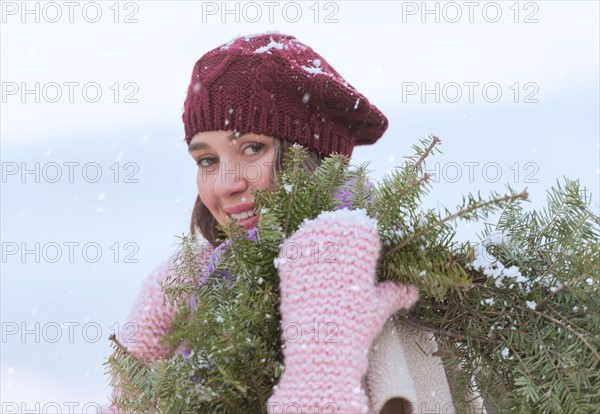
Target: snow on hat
{"points": [[271, 84]]}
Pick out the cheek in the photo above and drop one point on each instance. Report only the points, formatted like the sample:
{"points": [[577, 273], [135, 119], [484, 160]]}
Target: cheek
{"points": [[266, 168], [199, 181], [205, 190], [259, 177]]}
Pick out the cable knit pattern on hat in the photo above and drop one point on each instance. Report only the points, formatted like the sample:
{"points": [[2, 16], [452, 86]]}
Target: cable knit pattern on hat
{"points": [[271, 84], [331, 311]]}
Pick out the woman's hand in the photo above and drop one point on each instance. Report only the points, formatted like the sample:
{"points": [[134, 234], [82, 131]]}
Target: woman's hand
{"points": [[331, 310]]}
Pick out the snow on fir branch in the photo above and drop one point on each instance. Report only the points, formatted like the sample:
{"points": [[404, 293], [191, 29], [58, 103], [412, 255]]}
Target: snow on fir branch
{"points": [[516, 315]]}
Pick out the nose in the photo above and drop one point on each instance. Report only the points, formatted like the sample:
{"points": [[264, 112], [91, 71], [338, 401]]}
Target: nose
{"points": [[230, 180]]}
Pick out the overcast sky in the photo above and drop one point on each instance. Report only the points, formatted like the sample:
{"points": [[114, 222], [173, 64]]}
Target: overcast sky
{"points": [[92, 96]]}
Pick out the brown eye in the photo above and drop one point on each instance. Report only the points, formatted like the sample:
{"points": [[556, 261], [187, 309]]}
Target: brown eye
{"points": [[206, 162], [254, 148]]}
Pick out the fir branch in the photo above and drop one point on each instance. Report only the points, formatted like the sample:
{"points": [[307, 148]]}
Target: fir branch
{"points": [[570, 329], [458, 214], [434, 141], [294, 172], [480, 313], [128, 374], [329, 176], [573, 234], [565, 286]]}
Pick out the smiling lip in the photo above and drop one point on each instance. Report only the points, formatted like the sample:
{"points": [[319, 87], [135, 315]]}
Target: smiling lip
{"points": [[249, 222], [238, 209], [246, 223]]}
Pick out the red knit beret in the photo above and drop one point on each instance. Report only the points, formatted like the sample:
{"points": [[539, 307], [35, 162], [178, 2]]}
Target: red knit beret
{"points": [[271, 84]]}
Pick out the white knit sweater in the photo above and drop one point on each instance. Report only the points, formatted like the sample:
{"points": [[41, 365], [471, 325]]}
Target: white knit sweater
{"points": [[405, 376]]}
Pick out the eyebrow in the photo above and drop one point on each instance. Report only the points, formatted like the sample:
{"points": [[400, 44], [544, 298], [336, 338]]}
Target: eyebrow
{"points": [[202, 145]]}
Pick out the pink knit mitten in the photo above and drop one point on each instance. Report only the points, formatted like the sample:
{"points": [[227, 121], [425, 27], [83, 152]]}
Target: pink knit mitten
{"points": [[331, 310]]}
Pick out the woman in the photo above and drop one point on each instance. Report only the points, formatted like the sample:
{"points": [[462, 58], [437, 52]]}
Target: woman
{"points": [[247, 102]]}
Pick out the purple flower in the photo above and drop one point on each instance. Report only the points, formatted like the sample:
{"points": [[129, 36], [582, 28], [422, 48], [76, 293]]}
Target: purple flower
{"points": [[217, 257], [343, 196], [252, 234], [187, 352]]}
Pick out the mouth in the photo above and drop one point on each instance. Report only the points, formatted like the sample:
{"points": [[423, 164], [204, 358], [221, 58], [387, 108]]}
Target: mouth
{"points": [[244, 215], [247, 219]]}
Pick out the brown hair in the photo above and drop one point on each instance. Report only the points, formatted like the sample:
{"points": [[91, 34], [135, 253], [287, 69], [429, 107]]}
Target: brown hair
{"points": [[203, 221]]}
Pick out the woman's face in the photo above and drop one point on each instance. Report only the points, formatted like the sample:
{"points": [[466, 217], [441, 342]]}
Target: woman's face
{"points": [[230, 166]]}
